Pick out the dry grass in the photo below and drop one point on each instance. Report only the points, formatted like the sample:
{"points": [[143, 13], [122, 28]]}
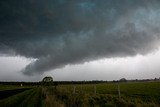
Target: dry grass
{"points": [[50, 99]]}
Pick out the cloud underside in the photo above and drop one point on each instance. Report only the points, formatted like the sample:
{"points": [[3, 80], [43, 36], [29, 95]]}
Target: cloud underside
{"points": [[60, 32]]}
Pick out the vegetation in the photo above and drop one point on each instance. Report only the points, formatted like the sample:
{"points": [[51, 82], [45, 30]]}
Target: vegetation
{"points": [[10, 87], [132, 94], [8, 93], [47, 79]]}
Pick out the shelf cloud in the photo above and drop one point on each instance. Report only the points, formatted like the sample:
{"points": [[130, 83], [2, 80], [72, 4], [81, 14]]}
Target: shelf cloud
{"points": [[60, 32]]}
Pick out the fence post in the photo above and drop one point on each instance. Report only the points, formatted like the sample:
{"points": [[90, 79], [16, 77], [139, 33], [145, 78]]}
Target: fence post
{"points": [[119, 92], [81, 89], [94, 89], [74, 89]]}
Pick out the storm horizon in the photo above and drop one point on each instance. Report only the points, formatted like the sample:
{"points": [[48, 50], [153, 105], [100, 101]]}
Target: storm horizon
{"points": [[74, 40]]}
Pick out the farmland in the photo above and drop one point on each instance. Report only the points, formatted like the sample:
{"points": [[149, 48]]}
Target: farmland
{"points": [[135, 94]]}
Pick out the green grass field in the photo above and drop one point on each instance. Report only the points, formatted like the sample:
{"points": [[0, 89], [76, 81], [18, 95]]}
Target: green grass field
{"points": [[132, 94], [10, 87]]}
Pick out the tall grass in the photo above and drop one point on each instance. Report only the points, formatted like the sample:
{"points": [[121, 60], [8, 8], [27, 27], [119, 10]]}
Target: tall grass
{"points": [[15, 100], [145, 94], [33, 100], [132, 94]]}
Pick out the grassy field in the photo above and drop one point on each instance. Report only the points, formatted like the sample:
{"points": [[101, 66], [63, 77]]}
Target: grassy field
{"points": [[10, 87], [132, 94]]}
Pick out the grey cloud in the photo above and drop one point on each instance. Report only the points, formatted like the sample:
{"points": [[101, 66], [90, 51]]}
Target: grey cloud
{"points": [[58, 33]]}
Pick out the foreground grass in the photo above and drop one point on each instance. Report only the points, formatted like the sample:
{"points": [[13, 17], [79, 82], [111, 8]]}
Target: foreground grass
{"points": [[141, 89], [143, 94], [14, 100], [29, 98], [132, 94]]}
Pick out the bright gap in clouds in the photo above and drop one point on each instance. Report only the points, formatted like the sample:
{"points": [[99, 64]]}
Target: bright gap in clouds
{"points": [[138, 67], [10, 68]]}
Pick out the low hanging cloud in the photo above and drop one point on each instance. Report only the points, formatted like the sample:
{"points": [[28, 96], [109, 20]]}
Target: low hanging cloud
{"points": [[61, 32]]}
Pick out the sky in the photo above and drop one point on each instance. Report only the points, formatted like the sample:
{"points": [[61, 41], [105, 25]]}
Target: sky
{"points": [[79, 39]]}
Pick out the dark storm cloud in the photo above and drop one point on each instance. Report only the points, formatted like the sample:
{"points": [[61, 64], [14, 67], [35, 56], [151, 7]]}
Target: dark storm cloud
{"points": [[61, 32]]}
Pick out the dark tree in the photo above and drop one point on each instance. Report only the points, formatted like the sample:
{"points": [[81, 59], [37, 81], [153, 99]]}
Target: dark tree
{"points": [[48, 80], [123, 80]]}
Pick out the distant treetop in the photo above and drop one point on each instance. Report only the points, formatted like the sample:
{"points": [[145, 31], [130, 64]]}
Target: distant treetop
{"points": [[47, 79], [123, 80]]}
